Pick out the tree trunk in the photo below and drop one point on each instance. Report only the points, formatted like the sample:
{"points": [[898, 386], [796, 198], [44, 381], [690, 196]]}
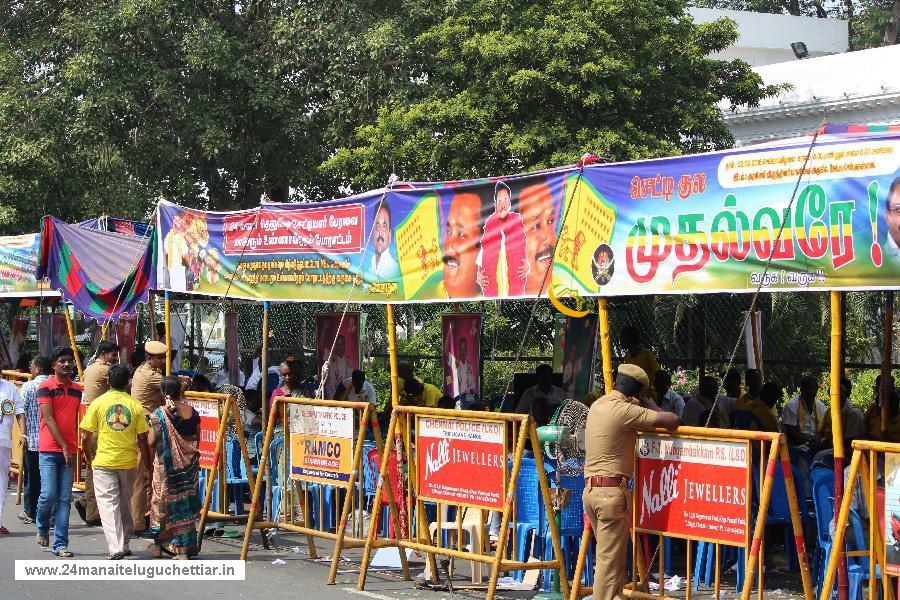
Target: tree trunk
{"points": [[893, 25]]}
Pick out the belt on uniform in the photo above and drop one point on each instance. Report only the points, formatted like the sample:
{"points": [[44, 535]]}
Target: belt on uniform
{"points": [[598, 481]]}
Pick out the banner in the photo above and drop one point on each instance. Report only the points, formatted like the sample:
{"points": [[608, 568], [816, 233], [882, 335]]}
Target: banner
{"points": [[18, 336], [103, 274], [126, 335], [891, 513], [321, 444], [18, 264], [690, 488], [689, 224], [460, 461], [342, 335], [208, 431], [462, 355], [574, 354]]}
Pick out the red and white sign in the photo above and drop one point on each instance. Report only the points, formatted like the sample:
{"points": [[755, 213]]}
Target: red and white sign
{"points": [[209, 431], [461, 461], [692, 488], [333, 230]]}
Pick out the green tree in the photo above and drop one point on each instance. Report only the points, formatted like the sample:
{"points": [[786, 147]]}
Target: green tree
{"points": [[515, 85]]}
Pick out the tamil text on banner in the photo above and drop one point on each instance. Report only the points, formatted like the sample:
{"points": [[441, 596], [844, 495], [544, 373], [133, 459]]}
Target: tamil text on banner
{"points": [[461, 461], [892, 514], [699, 223], [693, 488], [462, 355], [208, 432], [18, 264], [338, 345], [321, 443]]}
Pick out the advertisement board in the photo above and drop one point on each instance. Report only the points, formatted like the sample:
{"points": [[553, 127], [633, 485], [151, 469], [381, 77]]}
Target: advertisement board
{"points": [[461, 461], [208, 433], [321, 444], [892, 513], [691, 488]]}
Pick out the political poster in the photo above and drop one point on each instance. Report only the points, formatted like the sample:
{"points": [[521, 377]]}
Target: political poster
{"points": [[338, 344], [462, 355], [892, 513], [18, 264], [461, 461], [321, 444], [208, 431], [695, 489], [126, 336], [698, 223], [574, 354]]}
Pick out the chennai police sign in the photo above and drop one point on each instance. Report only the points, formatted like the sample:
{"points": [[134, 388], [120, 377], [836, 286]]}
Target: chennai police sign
{"points": [[321, 444]]}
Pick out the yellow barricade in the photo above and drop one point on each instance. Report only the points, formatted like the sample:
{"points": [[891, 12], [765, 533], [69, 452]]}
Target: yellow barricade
{"points": [[460, 459], [696, 484], [323, 445], [215, 410], [883, 544], [16, 466]]}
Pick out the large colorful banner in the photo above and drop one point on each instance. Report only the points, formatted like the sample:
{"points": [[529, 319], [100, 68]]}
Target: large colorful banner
{"points": [[460, 461], [700, 223], [321, 444], [462, 355], [18, 264], [689, 488]]}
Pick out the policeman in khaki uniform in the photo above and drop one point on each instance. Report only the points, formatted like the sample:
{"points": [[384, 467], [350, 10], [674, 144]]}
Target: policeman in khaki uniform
{"points": [[145, 388], [612, 425]]}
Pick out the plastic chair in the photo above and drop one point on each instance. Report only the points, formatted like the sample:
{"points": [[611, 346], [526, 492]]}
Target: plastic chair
{"points": [[823, 504], [374, 461], [780, 512], [706, 559], [235, 474], [276, 453], [858, 566], [745, 420], [571, 526], [471, 523], [530, 518]]}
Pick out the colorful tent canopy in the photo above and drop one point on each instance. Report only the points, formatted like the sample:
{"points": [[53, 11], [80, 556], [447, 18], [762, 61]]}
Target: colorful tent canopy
{"points": [[103, 274]]}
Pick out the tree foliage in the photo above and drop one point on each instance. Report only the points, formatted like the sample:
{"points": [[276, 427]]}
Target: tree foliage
{"points": [[108, 106]]}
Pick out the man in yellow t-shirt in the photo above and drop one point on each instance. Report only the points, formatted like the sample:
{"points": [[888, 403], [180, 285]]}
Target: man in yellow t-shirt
{"points": [[630, 339], [118, 421]]}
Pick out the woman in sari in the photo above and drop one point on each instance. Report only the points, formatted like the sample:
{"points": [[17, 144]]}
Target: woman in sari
{"points": [[175, 505]]}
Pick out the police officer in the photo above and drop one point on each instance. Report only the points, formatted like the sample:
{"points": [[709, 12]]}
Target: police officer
{"points": [[612, 425]]}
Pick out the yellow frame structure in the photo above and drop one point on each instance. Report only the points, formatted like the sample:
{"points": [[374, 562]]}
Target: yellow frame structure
{"points": [[399, 433]]}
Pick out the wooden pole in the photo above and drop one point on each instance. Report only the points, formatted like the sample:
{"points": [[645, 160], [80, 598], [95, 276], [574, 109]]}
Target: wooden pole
{"points": [[71, 330], [264, 394], [884, 391], [212, 475], [262, 474], [392, 350], [152, 310], [754, 333], [168, 340], [605, 345], [837, 432]]}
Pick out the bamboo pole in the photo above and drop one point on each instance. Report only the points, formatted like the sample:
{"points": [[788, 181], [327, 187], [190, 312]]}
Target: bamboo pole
{"points": [[263, 391], [167, 307], [71, 329], [837, 432], [869, 481], [392, 351], [840, 529], [754, 333], [152, 314], [254, 502], [884, 392], [605, 345], [212, 475]]}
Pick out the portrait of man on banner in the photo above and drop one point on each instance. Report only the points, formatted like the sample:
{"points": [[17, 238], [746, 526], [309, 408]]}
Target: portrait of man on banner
{"points": [[462, 356], [575, 354], [338, 343]]}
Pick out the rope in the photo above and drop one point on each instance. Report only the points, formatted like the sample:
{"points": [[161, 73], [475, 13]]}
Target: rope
{"points": [[320, 391]]}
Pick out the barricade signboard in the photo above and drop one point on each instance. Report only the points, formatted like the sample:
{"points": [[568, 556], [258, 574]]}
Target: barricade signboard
{"points": [[464, 461], [208, 432], [889, 510], [321, 443], [693, 488]]}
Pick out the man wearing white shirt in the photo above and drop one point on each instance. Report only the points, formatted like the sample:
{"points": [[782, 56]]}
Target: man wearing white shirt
{"points": [[465, 377], [223, 377], [356, 388], [11, 409], [668, 399], [383, 265], [803, 414], [544, 389], [339, 367]]}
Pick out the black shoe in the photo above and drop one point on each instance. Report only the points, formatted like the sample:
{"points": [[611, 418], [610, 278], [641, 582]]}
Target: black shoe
{"points": [[82, 510], [94, 523]]}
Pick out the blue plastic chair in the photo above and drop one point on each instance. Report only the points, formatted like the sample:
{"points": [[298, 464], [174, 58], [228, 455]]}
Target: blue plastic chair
{"points": [[780, 512], [276, 450], [235, 474], [529, 513], [823, 504], [745, 420], [705, 561], [571, 526], [858, 566]]}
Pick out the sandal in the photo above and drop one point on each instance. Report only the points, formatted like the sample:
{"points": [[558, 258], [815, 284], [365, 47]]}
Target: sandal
{"points": [[116, 556], [154, 550], [4, 530], [25, 518], [43, 541], [64, 553]]}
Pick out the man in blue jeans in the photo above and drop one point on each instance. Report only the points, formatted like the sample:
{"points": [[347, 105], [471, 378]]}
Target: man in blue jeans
{"points": [[58, 400]]}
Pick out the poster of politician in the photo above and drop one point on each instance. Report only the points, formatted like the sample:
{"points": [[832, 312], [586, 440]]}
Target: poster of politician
{"points": [[338, 344], [574, 354], [462, 356]]}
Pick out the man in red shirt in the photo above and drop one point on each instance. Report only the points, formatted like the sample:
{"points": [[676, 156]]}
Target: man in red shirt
{"points": [[58, 400]]}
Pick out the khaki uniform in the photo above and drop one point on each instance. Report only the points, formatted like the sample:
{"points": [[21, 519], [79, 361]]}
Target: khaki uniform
{"points": [[612, 425], [96, 383], [145, 389]]}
